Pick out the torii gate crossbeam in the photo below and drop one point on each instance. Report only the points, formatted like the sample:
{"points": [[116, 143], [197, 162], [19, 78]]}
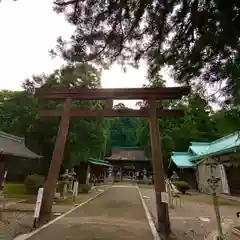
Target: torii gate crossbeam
{"points": [[152, 113]]}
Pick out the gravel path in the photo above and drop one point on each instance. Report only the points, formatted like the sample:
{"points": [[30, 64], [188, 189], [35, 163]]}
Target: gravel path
{"points": [[117, 214], [194, 220]]}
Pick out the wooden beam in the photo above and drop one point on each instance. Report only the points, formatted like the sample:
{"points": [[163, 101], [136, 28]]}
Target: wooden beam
{"points": [[159, 174], [113, 93], [110, 113], [108, 104], [54, 169]]}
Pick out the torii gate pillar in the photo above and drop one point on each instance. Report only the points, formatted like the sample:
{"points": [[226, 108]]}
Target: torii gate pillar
{"points": [[158, 170], [54, 169]]}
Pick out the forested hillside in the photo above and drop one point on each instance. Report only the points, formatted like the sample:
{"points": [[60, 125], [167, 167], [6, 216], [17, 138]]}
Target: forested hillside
{"points": [[94, 137]]}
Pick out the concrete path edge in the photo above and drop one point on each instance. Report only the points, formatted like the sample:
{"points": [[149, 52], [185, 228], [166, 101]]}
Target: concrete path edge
{"points": [[149, 218], [27, 236]]}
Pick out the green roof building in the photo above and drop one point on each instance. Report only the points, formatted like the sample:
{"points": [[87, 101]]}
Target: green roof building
{"points": [[224, 150]]}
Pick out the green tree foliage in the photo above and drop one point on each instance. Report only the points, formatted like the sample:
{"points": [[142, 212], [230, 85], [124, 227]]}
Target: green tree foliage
{"points": [[122, 130], [197, 38], [19, 116], [199, 123], [94, 137]]}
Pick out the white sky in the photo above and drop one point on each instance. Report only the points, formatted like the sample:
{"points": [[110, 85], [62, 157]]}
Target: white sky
{"points": [[29, 29]]}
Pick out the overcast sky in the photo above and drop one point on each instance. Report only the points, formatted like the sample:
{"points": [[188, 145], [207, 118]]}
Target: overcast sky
{"points": [[29, 29]]}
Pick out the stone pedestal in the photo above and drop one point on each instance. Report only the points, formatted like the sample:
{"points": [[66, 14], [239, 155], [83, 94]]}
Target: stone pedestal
{"points": [[75, 190], [65, 190]]}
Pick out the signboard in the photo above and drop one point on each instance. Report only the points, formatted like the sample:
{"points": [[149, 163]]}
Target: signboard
{"points": [[38, 203], [164, 197], [88, 174], [4, 178]]}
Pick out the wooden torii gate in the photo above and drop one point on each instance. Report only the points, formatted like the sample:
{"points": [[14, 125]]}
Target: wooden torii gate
{"points": [[108, 95]]}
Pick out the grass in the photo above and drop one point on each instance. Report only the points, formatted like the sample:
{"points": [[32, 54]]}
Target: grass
{"points": [[68, 201], [14, 189]]}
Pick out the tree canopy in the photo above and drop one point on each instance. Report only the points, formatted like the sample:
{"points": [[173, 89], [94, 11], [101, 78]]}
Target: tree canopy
{"points": [[199, 39], [94, 137], [86, 136]]}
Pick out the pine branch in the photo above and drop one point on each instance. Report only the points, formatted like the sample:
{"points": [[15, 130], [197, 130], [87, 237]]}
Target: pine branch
{"points": [[66, 3]]}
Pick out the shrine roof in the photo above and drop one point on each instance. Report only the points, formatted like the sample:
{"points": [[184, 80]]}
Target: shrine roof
{"points": [[182, 159], [15, 146], [99, 162], [128, 154], [198, 151], [225, 145]]}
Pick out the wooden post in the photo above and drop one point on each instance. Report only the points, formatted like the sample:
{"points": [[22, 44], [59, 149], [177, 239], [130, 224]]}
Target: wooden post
{"points": [[213, 181], [2, 170], [108, 104], [54, 169], [159, 181]]}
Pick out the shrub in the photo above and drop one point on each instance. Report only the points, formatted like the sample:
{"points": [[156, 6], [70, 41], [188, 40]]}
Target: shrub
{"points": [[182, 186], [14, 189], [33, 183]]}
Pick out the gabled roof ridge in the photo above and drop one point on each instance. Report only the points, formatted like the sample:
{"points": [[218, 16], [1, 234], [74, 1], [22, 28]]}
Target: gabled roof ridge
{"points": [[225, 137], [181, 153], [11, 137], [221, 139], [199, 143], [223, 149], [99, 160], [210, 151]]}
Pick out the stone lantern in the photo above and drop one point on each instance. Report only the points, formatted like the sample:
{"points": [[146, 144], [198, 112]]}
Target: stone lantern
{"points": [[66, 179], [71, 180], [174, 177]]}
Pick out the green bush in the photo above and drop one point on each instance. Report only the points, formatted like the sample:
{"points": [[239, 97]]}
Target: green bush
{"points": [[33, 183], [182, 186], [84, 188], [13, 189]]}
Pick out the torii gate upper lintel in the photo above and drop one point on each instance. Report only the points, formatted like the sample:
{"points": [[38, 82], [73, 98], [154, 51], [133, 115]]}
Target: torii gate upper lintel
{"points": [[149, 94]]}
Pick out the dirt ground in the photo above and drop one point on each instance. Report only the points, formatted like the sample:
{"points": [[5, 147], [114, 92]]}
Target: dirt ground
{"points": [[195, 218], [18, 217], [14, 223], [117, 214]]}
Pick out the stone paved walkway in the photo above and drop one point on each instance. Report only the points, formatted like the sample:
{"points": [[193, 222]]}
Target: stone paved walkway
{"points": [[117, 214]]}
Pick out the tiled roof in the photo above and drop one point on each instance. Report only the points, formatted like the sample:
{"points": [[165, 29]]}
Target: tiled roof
{"points": [[12, 145], [99, 162], [181, 159], [128, 153], [227, 144], [198, 150]]}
